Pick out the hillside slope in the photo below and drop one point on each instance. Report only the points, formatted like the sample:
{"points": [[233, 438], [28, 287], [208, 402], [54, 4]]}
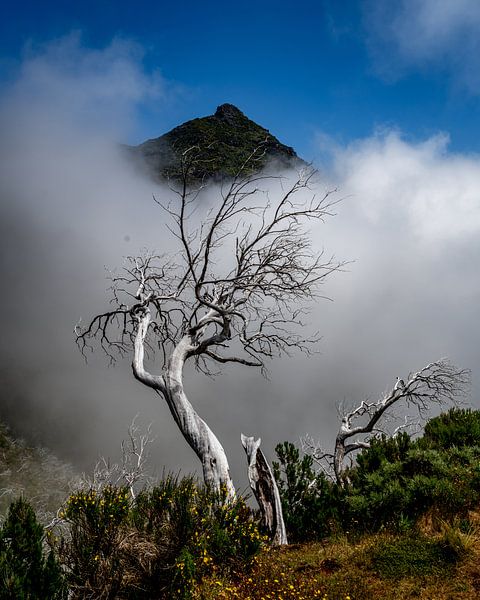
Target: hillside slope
{"points": [[33, 473]]}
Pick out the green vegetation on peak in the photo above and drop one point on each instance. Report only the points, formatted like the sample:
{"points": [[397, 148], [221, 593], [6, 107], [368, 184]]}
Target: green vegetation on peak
{"points": [[225, 140]]}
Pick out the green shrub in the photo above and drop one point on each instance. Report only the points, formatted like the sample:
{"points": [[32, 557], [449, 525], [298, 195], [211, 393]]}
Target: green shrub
{"points": [[457, 427], [92, 551], [445, 483], [158, 546], [25, 573], [382, 449], [394, 483], [198, 531], [398, 480], [309, 501]]}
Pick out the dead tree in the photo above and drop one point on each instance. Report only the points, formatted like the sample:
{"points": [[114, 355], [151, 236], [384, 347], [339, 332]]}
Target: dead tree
{"points": [[439, 383], [239, 279], [265, 489]]}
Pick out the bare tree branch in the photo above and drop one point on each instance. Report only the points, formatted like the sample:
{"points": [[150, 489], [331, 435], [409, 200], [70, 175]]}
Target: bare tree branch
{"points": [[438, 383], [131, 471], [242, 279]]}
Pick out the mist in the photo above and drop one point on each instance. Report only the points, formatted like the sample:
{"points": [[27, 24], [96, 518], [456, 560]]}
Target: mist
{"points": [[71, 206]]}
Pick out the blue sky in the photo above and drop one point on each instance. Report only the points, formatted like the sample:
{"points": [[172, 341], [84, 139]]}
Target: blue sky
{"points": [[345, 69]]}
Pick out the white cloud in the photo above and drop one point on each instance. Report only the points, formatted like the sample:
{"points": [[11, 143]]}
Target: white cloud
{"points": [[432, 193], [77, 86], [69, 206], [426, 33], [410, 221]]}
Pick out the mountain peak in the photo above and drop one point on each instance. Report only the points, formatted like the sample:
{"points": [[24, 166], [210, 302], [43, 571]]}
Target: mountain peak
{"points": [[225, 140], [228, 113]]}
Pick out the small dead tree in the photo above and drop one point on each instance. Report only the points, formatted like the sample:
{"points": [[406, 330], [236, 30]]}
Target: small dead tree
{"points": [[265, 489], [131, 471], [238, 279], [438, 383]]}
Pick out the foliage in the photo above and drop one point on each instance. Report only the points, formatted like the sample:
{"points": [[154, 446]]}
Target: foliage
{"points": [[158, 545], [199, 531], [25, 572], [457, 427], [309, 501], [414, 502], [399, 492], [93, 551], [382, 449], [398, 480], [395, 482]]}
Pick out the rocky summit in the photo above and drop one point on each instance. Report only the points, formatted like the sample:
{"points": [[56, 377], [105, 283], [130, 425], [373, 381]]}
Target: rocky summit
{"points": [[222, 143]]}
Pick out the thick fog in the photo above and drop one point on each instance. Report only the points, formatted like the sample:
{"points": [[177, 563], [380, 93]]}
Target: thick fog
{"points": [[71, 206]]}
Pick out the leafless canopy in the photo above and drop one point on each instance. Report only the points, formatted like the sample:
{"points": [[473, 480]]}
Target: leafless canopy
{"points": [[438, 383], [239, 276], [233, 289]]}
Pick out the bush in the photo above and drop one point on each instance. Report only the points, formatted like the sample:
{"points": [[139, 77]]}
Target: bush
{"points": [[158, 545], [457, 427], [25, 573], [92, 551], [394, 483], [309, 501], [198, 532], [382, 449], [443, 483]]}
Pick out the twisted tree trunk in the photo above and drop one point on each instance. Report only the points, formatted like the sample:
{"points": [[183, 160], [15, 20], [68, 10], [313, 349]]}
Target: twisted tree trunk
{"points": [[198, 434]]}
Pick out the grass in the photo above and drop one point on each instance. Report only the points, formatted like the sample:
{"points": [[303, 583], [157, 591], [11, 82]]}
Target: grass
{"points": [[413, 555], [439, 565]]}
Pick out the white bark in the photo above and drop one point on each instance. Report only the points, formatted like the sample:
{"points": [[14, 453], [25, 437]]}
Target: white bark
{"points": [[244, 308], [265, 489], [197, 433], [437, 383], [131, 471]]}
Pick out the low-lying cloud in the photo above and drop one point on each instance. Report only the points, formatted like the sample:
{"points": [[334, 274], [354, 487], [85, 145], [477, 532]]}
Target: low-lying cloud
{"points": [[411, 221], [71, 205]]}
